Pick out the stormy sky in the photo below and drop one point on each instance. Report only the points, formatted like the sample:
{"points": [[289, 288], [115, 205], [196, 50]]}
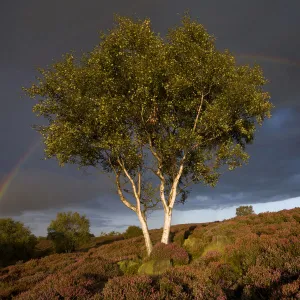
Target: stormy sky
{"points": [[36, 33]]}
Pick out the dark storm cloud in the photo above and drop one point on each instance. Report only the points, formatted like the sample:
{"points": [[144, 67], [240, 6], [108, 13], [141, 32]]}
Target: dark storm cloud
{"points": [[33, 33], [36, 190]]}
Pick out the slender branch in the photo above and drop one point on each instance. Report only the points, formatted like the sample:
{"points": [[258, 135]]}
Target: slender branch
{"points": [[162, 190], [198, 113], [160, 176], [185, 186], [138, 203], [122, 197], [173, 191], [153, 152], [119, 188], [139, 185]]}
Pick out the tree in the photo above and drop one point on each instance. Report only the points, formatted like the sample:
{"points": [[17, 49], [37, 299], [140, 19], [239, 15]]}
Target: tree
{"points": [[68, 231], [16, 242], [176, 109], [132, 231], [244, 211]]}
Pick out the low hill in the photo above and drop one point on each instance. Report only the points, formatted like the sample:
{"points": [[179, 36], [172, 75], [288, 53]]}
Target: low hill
{"points": [[251, 257]]}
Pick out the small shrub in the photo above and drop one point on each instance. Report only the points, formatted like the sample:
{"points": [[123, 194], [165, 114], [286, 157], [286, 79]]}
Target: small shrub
{"points": [[175, 253], [133, 231], [189, 283], [129, 266], [244, 210], [44, 247], [261, 277], [58, 286], [130, 287], [179, 238], [291, 290]]}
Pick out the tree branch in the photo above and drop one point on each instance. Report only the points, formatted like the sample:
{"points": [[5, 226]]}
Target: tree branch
{"points": [[198, 113], [138, 203], [119, 188], [122, 197], [139, 185], [173, 191]]}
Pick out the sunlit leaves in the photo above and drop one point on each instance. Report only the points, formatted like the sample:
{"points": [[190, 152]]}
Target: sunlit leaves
{"points": [[180, 93]]}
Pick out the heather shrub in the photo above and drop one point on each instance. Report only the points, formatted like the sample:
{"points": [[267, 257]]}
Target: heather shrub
{"points": [[243, 253], [58, 286], [173, 252], [181, 235], [170, 289], [96, 268], [133, 231], [156, 234], [189, 283], [211, 256], [124, 249], [260, 259], [290, 290], [179, 238], [261, 277], [222, 275], [130, 288]]}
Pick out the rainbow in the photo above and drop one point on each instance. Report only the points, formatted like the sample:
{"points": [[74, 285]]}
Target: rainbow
{"points": [[14, 172], [269, 59]]}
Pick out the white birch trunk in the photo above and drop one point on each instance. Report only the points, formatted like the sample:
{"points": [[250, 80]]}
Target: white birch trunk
{"points": [[167, 226], [169, 208], [146, 234]]}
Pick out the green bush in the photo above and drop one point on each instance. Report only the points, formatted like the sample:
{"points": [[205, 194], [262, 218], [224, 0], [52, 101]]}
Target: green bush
{"points": [[68, 231], [244, 211], [132, 231], [16, 242], [44, 247]]}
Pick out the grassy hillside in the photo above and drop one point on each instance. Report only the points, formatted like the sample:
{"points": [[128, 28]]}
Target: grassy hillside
{"points": [[253, 257]]}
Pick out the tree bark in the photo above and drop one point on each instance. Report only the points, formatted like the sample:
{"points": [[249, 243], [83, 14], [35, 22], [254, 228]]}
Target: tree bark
{"points": [[168, 207], [167, 226], [146, 234]]}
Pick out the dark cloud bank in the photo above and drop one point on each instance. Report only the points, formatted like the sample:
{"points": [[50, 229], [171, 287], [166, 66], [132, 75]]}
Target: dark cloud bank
{"points": [[33, 33]]}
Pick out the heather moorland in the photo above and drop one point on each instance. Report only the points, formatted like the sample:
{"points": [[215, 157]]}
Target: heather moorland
{"points": [[246, 257]]}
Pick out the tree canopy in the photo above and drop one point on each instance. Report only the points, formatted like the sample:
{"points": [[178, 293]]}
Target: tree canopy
{"points": [[16, 242], [176, 107], [244, 210], [68, 231]]}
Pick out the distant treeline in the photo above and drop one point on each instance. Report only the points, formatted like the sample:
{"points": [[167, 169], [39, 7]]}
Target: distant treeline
{"points": [[67, 233]]}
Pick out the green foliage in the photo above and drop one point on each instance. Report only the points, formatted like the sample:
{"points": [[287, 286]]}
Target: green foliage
{"points": [[244, 211], [68, 231], [16, 242], [155, 267], [129, 266], [189, 102], [44, 247], [112, 233], [132, 231]]}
